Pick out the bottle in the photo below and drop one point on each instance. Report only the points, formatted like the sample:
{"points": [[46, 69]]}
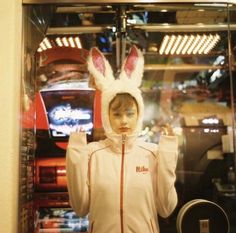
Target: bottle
{"points": [[231, 175]]}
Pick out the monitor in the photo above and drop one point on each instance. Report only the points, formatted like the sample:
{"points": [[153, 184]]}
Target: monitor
{"points": [[68, 111]]}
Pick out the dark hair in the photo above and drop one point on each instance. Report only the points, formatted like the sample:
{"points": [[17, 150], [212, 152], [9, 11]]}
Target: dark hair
{"points": [[123, 100]]}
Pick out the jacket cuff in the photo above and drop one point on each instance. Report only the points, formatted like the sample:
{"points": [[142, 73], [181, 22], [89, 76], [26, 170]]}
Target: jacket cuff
{"points": [[77, 139], [168, 143]]}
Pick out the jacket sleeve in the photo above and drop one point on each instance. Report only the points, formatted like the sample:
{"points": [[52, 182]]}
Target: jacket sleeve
{"points": [[77, 170], [166, 165]]}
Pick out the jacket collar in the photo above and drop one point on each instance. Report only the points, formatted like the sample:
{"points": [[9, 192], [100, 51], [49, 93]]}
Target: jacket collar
{"points": [[115, 142]]}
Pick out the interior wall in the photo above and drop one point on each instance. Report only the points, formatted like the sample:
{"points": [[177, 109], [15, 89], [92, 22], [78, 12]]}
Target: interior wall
{"points": [[10, 73]]}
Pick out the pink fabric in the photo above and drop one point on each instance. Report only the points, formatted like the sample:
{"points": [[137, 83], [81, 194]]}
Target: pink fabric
{"points": [[98, 60], [131, 62]]}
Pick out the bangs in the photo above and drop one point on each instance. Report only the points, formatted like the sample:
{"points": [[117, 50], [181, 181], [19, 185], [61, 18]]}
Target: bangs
{"points": [[122, 101]]}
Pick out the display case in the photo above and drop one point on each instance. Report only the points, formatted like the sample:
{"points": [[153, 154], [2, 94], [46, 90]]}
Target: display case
{"points": [[188, 83]]}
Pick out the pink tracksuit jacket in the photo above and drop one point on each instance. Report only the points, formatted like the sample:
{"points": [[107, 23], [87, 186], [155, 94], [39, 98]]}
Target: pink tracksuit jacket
{"points": [[123, 193], [122, 183]]}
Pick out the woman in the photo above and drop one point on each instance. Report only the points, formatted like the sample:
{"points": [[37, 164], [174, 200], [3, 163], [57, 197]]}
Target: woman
{"points": [[122, 182]]}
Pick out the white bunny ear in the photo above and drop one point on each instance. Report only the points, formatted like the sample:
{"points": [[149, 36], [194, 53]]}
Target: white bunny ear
{"points": [[100, 69], [133, 66]]}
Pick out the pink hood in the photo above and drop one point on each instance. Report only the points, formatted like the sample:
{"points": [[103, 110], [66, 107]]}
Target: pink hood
{"points": [[128, 81]]}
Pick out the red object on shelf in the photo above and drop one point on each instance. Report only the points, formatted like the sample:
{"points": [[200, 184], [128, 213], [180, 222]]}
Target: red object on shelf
{"points": [[63, 53]]}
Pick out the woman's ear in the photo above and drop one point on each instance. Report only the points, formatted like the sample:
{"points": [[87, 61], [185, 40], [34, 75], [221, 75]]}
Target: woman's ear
{"points": [[133, 66], [99, 68]]}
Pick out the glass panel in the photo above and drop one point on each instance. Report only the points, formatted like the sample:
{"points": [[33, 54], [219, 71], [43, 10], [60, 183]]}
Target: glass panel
{"points": [[188, 83], [34, 22]]}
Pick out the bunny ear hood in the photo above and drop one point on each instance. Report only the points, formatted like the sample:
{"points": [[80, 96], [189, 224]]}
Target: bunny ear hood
{"points": [[132, 68], [129, 80], [101, 70]]}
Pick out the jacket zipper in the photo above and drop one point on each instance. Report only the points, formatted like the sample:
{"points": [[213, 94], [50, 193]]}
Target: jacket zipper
{"points": [[122, 185]]}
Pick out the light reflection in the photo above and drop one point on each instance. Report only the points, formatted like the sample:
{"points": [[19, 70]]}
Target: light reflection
{"points": [[210, 121], [188, 44]]}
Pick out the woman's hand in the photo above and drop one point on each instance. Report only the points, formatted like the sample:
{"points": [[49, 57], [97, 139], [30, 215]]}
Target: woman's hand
{"points": [[80, 129], [167, 130]]}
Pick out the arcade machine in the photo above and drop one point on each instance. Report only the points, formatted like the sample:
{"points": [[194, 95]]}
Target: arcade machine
{"points": [[64, 103]]}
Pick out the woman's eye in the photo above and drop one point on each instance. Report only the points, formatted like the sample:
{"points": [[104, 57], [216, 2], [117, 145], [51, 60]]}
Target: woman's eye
{"points": [[130, 114], [116, 114]]}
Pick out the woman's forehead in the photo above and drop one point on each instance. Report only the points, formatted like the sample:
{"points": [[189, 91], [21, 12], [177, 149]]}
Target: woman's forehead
{"points": [[124, 108], [117, 103]]}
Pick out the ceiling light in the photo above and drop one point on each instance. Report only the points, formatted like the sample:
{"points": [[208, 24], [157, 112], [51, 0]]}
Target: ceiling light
{"points": [[78, 43], [212, 4], [72, 42], [59, 42], [170, 44], [65, 42], [181, 44], [164, 43], [194, 44], [178, 39], [188, 44], [43, 46], [47, 43]]}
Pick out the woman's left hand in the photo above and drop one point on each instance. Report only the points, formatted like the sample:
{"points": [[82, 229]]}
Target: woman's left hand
{"points": [[167, 130]]}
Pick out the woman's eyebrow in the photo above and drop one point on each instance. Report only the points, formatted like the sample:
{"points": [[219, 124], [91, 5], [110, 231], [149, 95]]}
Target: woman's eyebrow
{"points": [[129, 110], [115, 111]]}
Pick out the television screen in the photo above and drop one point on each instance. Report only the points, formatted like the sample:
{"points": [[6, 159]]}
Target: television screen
{"points": [[60, 220], [68, 111]]}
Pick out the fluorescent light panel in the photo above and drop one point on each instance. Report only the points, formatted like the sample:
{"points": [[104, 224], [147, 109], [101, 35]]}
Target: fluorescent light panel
{"points": [[188, 44], [73, 42]]}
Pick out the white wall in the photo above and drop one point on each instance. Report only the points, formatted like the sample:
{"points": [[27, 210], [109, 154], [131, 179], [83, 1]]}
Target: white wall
{"points": [[10, 74]]}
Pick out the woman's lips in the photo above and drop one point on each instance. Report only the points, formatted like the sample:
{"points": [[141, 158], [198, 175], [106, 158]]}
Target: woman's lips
{"points": [[124, 129]]}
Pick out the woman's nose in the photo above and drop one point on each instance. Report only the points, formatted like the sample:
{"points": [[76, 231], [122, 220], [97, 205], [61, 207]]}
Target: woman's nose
{"points": [[124, 119]]}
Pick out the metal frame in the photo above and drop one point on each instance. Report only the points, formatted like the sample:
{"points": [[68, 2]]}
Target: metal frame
{"points": [[185, 67], [147, 28], [124, 1]]}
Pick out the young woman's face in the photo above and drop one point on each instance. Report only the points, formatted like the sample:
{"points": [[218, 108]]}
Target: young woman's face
{"points": [[124, 119]]}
